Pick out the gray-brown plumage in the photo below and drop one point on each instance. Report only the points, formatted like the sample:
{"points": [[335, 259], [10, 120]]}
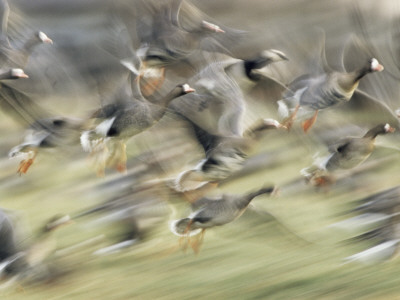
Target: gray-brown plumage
{"points": [[136, 210], [377, 221], [123, 119], [210, 212], [166, 40], [250, 74], [9, 246], [18, 57], [314, 93], [347, 153], [28, 262], [350, 152], [14, 102], [45, 134]]}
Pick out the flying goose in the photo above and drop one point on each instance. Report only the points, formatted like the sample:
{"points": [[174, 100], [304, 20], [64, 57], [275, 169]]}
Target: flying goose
{"points": [[164, 42], [313, 93], [27, 262], [45, 134], [208, 213], [347, 153], [126, 117], [377, 220]]}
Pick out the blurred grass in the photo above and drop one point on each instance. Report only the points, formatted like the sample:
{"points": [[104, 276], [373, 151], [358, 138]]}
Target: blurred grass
{"points": [[251, 258], [248, 259]]}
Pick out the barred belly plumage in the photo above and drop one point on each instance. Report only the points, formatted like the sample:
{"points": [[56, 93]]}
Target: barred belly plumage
{"points": [[326, 98]]}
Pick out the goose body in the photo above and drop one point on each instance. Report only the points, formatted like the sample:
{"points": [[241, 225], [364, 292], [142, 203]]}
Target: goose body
{"points": [[215, 212], [350, 152], [130, 118], [383, 231], [165, 42], [248, 72], [18, 57], [46, 134], [9, 247], [313, 93], [121, 120], [345, 154]]}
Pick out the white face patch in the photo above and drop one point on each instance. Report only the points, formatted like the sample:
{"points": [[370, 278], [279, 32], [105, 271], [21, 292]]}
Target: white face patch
{"points": [[375, 65], [18, 73], [187, 89], [44, 38], [388, 128]]}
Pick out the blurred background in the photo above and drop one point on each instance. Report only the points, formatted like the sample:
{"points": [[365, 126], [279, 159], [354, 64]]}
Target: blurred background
{"points": [[286, 248]]}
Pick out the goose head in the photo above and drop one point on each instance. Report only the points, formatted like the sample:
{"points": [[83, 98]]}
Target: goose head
{"points": [[44, 38], [379, 129], [16, 74], [207, 26], [186, 89], [374, 65]]}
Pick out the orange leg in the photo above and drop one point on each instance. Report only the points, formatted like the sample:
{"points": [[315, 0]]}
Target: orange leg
{"points": [[186, 237], [120, 153], [198, 242], [25, 164], [322, 181], [307, 124], [99, 156], [288, 122]]}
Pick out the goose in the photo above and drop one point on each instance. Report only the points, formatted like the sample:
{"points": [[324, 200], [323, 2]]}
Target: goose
{"points": [[347, 153], [137, 210], [208, 213], [215, 114], [27, 263], [16, 57], [250, 72], [46, 133], [224, 155], [14, 73], [314, 93], [15, 102], [218, 105], [9, 248], [381, 207], [165, 42], [123, 119], [44, 244]]}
